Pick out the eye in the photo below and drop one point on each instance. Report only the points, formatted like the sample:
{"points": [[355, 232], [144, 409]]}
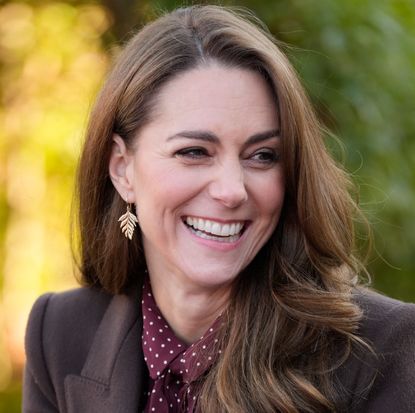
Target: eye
{"points": [[192, 153], [265, 156]]}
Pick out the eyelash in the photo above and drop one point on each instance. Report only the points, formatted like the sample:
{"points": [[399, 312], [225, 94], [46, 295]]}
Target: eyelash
{"points": [[198, 153], [191, 153], [272, 156]]}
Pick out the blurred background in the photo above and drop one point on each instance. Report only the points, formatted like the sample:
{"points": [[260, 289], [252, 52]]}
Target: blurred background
{"points": [[356, 59]]}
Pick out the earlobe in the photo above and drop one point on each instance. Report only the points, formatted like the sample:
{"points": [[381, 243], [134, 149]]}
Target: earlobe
{"points": [[119, 163]]}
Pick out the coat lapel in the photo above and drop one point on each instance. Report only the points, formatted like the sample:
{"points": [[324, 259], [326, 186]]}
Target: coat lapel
{"points": [[111, 380]]}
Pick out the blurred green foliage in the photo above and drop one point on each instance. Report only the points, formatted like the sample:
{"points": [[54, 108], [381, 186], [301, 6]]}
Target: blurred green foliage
{"points": [[10, 399], [356, 59]]}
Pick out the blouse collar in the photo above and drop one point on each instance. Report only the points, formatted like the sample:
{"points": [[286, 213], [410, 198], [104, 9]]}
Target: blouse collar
{"points": [[169, 359]]}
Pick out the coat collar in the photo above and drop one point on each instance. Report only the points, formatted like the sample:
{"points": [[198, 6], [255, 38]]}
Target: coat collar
{"points": [[112, 377]]}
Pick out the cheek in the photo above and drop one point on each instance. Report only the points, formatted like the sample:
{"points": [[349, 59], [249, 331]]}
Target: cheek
{"points": [[166, 186], [269, 193]]}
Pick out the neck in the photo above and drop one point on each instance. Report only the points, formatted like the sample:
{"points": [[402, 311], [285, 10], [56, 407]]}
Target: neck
{"points": [[188, 308]]}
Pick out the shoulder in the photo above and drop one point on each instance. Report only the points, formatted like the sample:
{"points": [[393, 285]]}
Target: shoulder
{"points": [[375, 305], [70, 308], [61, 314], [388, 324], [378, 379], [80, 333], [60, 331]]}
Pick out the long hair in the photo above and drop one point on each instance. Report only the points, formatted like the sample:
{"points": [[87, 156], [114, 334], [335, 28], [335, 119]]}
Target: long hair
{"points": [[291, 320]]}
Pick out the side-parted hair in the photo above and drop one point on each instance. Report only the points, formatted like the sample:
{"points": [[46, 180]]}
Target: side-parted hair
{"points": [[291, 320]]}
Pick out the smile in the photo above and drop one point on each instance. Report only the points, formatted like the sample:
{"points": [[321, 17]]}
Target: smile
{"points": [[213, 230]]}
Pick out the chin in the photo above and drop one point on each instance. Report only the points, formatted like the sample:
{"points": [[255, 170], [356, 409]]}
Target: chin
{"points": [[213, 277]]}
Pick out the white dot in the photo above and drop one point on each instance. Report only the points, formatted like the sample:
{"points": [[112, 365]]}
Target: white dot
{"points": [[171, 351], [153, 409], [162, 346], [197, 364], [193, 354], [153, 339], [165, 362], [151, 323], [151, 365], [160, 399], [159, 317], [203, 346], [169, 339], [157, 356], [179, 345], [210, 329], [153, 391], [160, 330]]}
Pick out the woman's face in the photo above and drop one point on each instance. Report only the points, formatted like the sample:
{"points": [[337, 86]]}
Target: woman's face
{"points": [[207, 175]]}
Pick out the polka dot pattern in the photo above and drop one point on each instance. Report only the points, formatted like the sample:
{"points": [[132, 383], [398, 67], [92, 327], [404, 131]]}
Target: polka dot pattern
{"points": [[173, 366]]}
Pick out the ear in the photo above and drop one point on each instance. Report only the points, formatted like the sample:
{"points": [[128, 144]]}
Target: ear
{"points": [[120, 169]]}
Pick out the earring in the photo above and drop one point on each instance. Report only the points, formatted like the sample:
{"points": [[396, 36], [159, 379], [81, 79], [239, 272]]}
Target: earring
{"points": [[128, 222]]}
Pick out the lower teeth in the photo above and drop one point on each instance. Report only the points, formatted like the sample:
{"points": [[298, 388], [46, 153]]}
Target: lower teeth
{"points": [[231, 238]]}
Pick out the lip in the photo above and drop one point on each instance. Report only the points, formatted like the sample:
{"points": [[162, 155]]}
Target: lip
{"points": [[217, 245]]}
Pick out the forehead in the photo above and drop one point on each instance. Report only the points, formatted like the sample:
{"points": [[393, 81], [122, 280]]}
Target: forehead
{"points": [[216, 97]]}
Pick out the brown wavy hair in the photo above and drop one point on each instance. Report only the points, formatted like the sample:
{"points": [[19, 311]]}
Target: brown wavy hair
{"points": [[291, 320]]}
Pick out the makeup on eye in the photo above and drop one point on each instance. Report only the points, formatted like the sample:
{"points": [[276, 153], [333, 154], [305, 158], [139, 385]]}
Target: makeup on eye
{"points": [[266, 156], [210, 141], [263, 157], [193, 152]]}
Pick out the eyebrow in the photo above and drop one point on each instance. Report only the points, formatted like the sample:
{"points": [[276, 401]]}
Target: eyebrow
{"points": [[207, 136]]}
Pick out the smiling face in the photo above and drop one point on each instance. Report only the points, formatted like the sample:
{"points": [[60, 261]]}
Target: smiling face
{"points": [[206, 175]]}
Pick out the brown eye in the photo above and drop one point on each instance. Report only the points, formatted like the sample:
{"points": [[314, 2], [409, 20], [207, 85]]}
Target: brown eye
{"points": [[265, 156], [192, 153]]}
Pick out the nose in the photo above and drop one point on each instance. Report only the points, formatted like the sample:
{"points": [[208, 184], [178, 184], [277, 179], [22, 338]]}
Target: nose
{"points": [[228, 185]]}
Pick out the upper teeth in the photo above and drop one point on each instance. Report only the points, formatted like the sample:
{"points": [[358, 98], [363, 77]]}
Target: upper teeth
{"points": [[214, 227]]}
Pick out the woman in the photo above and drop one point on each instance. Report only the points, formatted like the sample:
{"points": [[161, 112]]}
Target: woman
{"points": [[235, 286]]}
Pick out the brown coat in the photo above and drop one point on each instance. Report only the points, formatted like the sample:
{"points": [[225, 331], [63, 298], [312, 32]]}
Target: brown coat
{"points": [[84, 356]]}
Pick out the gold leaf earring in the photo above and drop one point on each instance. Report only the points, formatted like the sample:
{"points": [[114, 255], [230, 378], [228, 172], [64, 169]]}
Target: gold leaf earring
{"points": [[128, 222]]}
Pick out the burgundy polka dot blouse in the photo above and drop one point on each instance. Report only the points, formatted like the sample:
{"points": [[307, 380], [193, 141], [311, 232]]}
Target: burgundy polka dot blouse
{"points": [[175, 369]]}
